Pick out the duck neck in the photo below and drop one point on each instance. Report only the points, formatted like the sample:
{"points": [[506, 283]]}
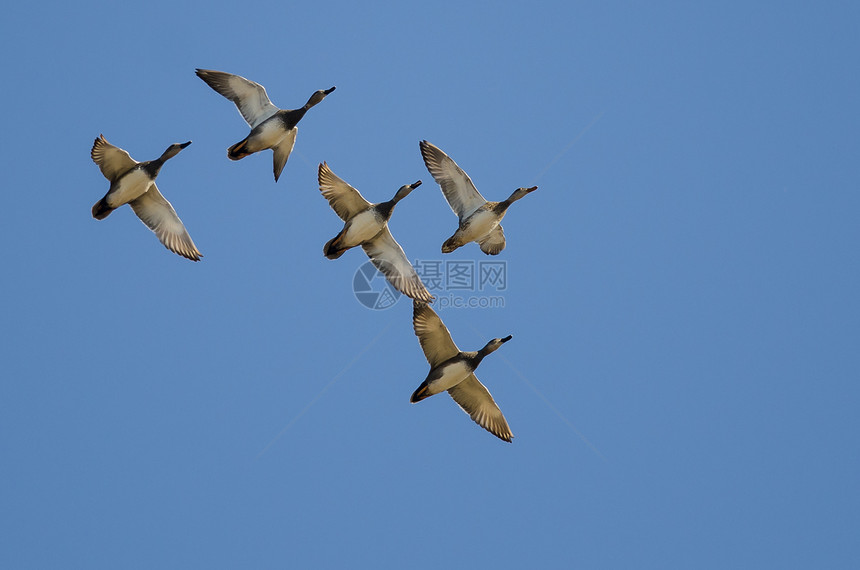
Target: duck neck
{"points": [[475, 358], [502, 207], [153, 167], [385, 209], [292, 118]]}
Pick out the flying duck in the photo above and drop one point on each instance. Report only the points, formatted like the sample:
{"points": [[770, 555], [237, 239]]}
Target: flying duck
{"points": [[366, 224], [479, 219], [133, 183], [454, 370], [271, 127]]}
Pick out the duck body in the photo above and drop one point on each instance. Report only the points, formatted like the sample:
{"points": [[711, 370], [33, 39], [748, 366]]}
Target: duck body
{"points": [[271, 127], [360, 229], [366, 225], [479, 219], [133, 183], [269, 134], [453, 371], [481, 223], [445, 376], [130, 186]]}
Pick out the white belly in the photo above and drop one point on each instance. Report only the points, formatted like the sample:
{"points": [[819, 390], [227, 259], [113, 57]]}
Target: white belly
{"points": [[130, 187], [363, 227], [271, 134], [452, 374], [478, 225]]}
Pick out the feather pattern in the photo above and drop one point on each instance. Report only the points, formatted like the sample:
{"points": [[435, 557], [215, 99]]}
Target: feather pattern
{"points": [[390, 259], [111, 160], [159, 216], [133, 183], [445, 359], [250, 98], [271, 127], [366, 224], [346, 201], [457, 187], [480, 220], [474, 398]]}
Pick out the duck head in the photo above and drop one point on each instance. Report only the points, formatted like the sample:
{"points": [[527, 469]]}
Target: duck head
{"points": [[405, 190], [520, 193], [317, 97], [173, 150], [494, 344]]}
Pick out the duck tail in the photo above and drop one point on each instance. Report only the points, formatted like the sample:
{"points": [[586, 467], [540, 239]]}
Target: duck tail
{"points": [[238, 150], [331, 249], [450, 245], [101, 210], [419, 394]]}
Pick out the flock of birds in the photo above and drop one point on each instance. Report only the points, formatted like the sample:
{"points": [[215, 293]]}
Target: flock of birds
{"points": [[365, 225]]}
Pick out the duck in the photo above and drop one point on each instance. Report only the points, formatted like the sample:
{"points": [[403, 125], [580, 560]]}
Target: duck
{"points": [[480, 220], [271, 127], [366, 225], [453, 370], [133, 183]]}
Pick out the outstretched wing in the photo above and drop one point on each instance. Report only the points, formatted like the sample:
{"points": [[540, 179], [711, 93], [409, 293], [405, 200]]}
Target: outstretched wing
{"points": [[159, 216], [250, 98], [493, 242], [432, 334], [476, 401], [389, 258], [282, 151], [456, 185], [111, 160], [345, 200]]}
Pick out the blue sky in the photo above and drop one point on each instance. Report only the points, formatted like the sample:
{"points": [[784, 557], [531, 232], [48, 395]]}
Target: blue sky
{"points": [[682, 289]]}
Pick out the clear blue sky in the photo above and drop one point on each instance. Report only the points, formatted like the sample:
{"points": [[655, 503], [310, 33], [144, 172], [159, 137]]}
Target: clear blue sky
{"points": [[682, 289]]}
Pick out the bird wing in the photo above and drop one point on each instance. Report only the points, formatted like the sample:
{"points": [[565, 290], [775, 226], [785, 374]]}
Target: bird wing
{"points": [[345, 200], [282, 151], [250, 98], [474, 398], [432, 334], [112, 160], [456, 185], [388, 257], [493, 242], [159, 216]]}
